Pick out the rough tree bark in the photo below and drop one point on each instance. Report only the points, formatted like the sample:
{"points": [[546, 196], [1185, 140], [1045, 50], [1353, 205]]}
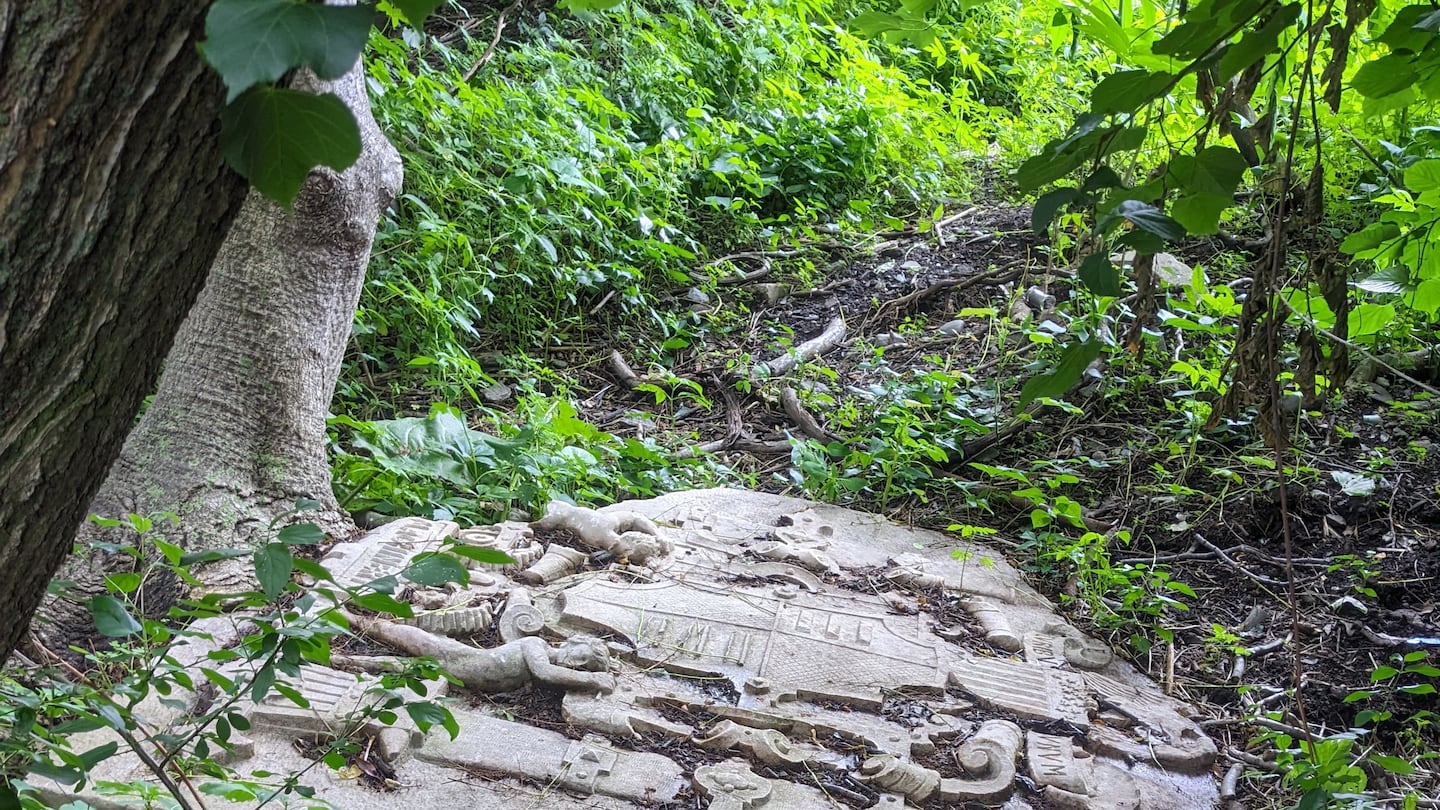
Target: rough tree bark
{"points": [[235, 433], [113, 203]]}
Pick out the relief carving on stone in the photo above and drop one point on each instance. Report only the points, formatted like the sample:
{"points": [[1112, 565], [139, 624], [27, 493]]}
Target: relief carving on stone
{"points": [[754, 651]]}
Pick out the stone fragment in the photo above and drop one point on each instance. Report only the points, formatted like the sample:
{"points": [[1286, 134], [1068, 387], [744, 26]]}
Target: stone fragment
{"points": [[1060, 644], [764, 744], [587, 766], [385, 551], [558, 562], [1030, 691], [991, 616], [1053, 762], [988, 762], [1161, 734]]}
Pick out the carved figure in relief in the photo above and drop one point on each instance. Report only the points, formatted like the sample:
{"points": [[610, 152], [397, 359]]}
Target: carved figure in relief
{"points": [[580, 662], [627, 536]]}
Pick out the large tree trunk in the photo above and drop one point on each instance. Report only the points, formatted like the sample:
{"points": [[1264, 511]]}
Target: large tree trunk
{"points": [[236, 431], [113, 202]]}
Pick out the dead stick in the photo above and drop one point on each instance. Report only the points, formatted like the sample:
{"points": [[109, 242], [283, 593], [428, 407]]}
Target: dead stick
{"points": [[827, 340], [490, 50], [802, 418], [622, 370]]}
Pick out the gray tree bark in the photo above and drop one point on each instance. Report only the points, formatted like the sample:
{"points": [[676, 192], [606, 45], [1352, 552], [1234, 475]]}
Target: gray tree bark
{"points": [[235, 433], [113, 203]]}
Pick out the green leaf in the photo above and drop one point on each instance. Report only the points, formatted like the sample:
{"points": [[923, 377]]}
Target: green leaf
{"points": [[1256, 45], [1393, 280], [426, 714], [1423, 176], [1372, 236], [1049, 205], [112, 620], [274, 137], [1212, 170], [260, 687], [300, 534], [1127, 91], [481, 554], [1200, 213], [1418, 689], [384, 603], [254, 41], [436, 569], [1054, 384], [273, 566], [1370, 319], [1385, 76], [1383, 674], [99, 754], [1427, 297], [126, 582], [1393, 764], [1148, 218], [415, 11], [1099, 275], [9, 799]]}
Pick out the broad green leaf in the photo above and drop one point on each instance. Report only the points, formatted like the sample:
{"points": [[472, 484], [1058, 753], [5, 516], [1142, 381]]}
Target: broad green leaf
{"points": [[1372, 236], [9, 799], [1206, 26], [481, 554], [870, 24], [1393, 764], [260, 686], [436, 569], [1200, 213], [99, 753], [1385, 76], [1423, 176], [1404, 33], [1049, 205], [1213, 170], [125, 582], [1148, 218], [1062, 156], [1427, 297], [1054, 384], [1257, 44], [415, 11], [1127, 91], [1099, 275], [300, 534], [1370, 319], [1393, 279], [426, 714], [112, 620], [250, 42], [385, 603], [273, 566], [274, 137]]}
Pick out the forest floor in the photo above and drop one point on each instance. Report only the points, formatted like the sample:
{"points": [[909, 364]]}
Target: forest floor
{"points": [[1359, 590]]}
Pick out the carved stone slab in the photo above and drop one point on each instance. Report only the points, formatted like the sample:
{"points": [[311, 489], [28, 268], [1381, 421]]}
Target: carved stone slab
{"points": [[775, 646]]}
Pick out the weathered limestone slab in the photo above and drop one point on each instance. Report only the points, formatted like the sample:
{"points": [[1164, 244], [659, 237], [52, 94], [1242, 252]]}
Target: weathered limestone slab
{"points": [[546, 757], [746, 627]]}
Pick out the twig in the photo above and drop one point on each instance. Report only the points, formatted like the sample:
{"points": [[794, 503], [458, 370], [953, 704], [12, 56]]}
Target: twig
{"points": [[941, 225], [1358, 349], [827, 340], [1228, 560], [997, 276], [622, 370], [1230, 785], [603, 301], [500, 23], [802, 418]]}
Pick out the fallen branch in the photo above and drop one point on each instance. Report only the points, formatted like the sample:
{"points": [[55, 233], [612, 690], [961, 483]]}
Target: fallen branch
{"points": [[826, 341], [500, 23], [802, 418], [999, 275], [622, 370]]}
